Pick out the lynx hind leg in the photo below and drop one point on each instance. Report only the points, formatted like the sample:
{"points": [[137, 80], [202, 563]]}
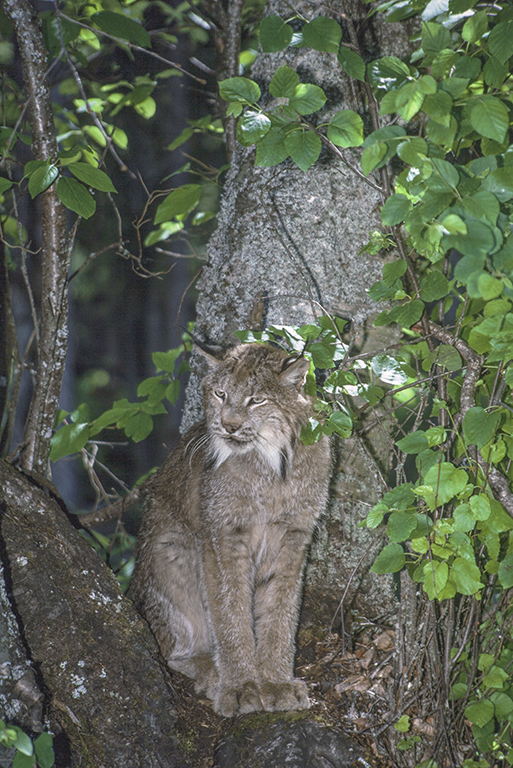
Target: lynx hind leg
{"points": [[175, 609], [282, 697]]}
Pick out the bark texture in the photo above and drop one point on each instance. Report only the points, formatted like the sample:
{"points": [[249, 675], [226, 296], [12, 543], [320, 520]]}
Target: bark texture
{"points": [[294, 741], [94, 653], [286, 250], [53, 326]]}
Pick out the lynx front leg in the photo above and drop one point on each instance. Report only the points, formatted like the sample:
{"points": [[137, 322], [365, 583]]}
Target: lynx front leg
{"points": [[276, 610], [227, 582]]}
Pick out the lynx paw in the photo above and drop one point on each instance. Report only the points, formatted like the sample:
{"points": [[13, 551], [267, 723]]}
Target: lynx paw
{"points": [[279, 697], [237, 701]]}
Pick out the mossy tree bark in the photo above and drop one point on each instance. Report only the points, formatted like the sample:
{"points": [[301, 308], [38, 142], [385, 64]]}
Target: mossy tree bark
{"points": [[107, 693]]}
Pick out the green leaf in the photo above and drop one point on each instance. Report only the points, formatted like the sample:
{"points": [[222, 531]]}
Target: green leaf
{"points": [[352, 63], [390, 559], [436, 573], [503, 704], [240, 89], [403, 724], [284, 83], [490, 118], [173, 391], [304, 148], [480, 712], [446, 481], [505, 573], [400, 497], [438, 107], [70, 438], [413, 151], [372, 156], [307, 98], [454, 225], [93, 177], [5, 184], [75, 196], [500, 40], [272, 149], [179, 202], [184, 136], [495, 678], [466, 576], [480, 506], [322, 34], [479, 426], [154, 388], [494, 72], [489, 287], [405, 315], [274, 34], [119, 25], [341, 423], [475, 27], [139, 426], [165, 361], [41, 178], [43, 747], [388, 369], [446, 172], [23, 761], [446, 356], [464, 520], [413, 443], [346, 129], [252, 127], [395, 210], [500, 183], [22, 741], [387, 73], [434, 286], [400, 525]]}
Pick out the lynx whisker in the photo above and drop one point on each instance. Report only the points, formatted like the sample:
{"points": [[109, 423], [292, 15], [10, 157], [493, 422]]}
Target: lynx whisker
{"points": [[196, 443]]}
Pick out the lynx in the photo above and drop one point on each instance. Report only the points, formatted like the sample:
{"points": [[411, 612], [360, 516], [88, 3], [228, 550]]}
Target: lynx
{"points": [[223, 541]]}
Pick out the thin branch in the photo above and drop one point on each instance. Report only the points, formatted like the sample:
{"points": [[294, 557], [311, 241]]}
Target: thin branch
{"points": [[55, 253]]}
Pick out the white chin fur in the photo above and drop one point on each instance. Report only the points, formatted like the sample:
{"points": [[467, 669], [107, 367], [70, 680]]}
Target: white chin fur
{"points": [[264, 445]]}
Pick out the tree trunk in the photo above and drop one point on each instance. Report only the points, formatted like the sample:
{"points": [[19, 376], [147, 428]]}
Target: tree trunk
{"points": [[96, 658], [287, 250]]}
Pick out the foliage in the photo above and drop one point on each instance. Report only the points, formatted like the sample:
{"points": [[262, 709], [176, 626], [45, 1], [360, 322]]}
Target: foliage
{"points": [[444, 119], [75, 430], [91, 139], [28, 755]]}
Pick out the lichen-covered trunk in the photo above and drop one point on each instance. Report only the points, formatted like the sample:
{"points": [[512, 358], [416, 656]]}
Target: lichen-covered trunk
{"points": [[287, 249], [106, 691]]}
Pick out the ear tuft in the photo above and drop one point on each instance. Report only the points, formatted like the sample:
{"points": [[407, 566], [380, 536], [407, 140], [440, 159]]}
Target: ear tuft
{"points": [[294, 370], [212, 353]]}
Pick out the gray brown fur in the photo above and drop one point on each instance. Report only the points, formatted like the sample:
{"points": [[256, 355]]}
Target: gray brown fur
{"points": [[223, 541]]}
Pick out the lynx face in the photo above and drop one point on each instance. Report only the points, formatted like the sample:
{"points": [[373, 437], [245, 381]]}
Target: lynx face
{"points": [[252, 405]]}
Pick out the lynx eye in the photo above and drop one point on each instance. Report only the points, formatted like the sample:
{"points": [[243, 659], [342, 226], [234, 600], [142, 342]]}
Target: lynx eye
{"points": [[256, 400], [220, 394]]}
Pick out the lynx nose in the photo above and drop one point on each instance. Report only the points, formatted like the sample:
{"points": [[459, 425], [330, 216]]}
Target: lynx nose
{"points": [[231, 423]]}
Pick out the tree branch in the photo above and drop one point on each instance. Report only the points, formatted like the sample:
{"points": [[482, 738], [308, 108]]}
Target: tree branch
{"points": [[55, 251]]}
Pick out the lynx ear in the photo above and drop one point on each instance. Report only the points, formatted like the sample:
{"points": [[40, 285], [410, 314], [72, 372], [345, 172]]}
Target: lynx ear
{"points": [[293, 371], [212, 353]]}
